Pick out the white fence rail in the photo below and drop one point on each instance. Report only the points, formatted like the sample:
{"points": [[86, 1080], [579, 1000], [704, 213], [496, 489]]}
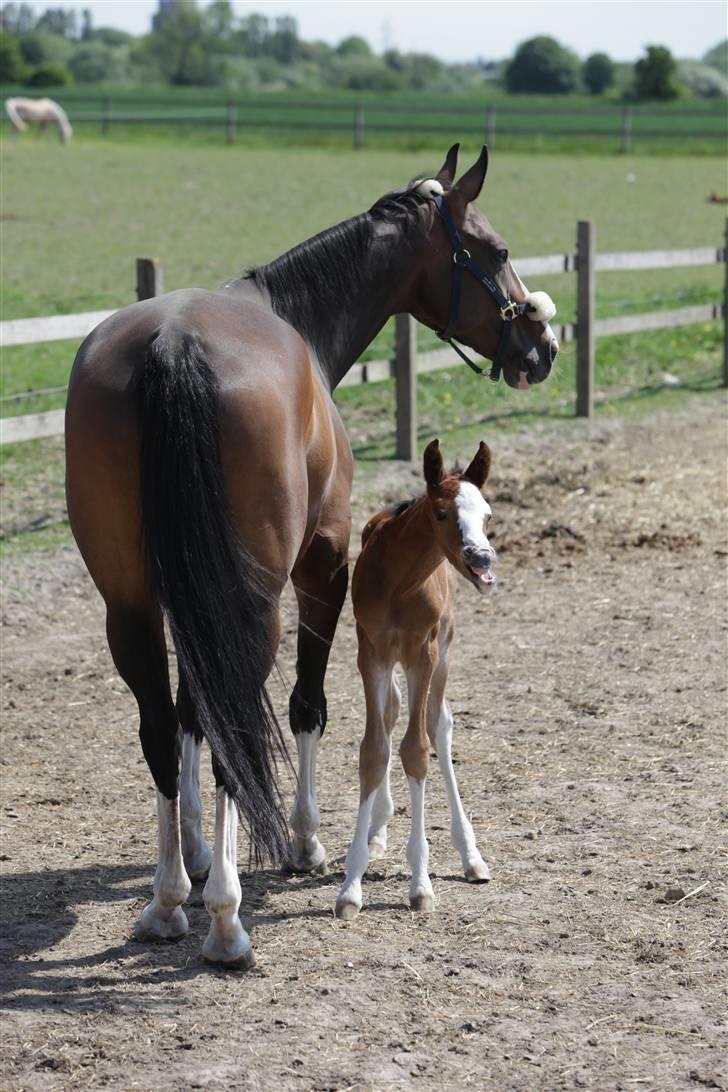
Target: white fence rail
{"points": [[406, 362]]}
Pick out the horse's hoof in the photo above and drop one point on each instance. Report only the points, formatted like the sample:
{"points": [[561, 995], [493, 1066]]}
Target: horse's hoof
{"points": [[152, 927], [347, 911], [235, 959], [422, 904], [308, 860], [478, 872], [377, 851]]}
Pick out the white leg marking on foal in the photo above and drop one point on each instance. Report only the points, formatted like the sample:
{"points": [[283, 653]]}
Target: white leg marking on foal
{"points": [[195, 850], [227, 942], [349, 899], [422, 897], [163, 918], [306, 854], [382, 812], [461, 830]]}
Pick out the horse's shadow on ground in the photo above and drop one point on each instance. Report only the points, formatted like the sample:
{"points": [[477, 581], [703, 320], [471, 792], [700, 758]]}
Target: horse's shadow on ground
{"points": [[39, 910]]}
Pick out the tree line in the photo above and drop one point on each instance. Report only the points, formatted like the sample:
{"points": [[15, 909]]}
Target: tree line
{"points": [[210, 46]]}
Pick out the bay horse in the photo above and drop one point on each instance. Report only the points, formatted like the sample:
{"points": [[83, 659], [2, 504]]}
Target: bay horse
{"points": [[206, 464], [41, 112], [402, 593]]}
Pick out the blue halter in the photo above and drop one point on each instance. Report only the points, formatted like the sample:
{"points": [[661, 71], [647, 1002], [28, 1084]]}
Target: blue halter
{"points": [[509, 309]]}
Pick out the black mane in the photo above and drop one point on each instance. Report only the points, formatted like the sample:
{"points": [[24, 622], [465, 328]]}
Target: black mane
{"points": [[318, 281]]}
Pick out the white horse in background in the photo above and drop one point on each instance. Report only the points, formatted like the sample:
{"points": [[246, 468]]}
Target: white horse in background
{"points": [[42, 112]]}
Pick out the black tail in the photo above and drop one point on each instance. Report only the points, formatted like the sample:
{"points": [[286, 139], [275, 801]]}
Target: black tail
{"points": [[211, 590]]}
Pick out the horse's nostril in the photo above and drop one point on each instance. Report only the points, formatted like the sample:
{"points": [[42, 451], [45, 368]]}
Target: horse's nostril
{"points": [[554, 347]]}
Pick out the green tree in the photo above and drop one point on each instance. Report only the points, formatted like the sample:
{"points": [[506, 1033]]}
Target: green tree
{"points": [[49, 74], [654, 75], [12, 69], [58, 21], [354, 46], [598, 73], [40, 46], [542, 65], [93, 62], [17, 18], [717, 57]]}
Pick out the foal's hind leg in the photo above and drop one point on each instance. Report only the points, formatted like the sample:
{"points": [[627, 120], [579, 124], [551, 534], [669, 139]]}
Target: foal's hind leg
{"points": [[195, 850], [136, 640], [320, 580], [439, 729]]}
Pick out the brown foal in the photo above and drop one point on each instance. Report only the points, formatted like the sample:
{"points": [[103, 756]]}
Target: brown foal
{"points": [[402, 592]]}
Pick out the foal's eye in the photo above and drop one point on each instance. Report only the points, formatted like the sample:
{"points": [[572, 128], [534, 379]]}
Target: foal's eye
{"points": [[503, 255], [440, 514]]}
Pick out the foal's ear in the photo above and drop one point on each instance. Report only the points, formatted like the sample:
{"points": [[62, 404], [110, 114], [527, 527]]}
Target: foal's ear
{"points": [[434, 470], [471, 183], [446, 174], [479, 469]]}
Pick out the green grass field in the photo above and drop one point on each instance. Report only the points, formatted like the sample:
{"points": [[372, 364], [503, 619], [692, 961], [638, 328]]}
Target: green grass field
{"points": [[74, 220]]}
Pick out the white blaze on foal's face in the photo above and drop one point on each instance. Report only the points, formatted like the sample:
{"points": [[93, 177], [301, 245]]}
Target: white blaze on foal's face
{"points": [[478, 554]]}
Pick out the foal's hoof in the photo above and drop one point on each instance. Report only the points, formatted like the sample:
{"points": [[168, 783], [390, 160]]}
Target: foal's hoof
{"points": [[376, 851], [478, 872], [422, 904], [347, 911], [154, 927]]}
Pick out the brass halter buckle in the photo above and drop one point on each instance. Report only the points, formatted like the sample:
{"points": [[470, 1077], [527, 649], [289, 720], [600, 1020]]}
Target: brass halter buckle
{"points": [[509, 311]]}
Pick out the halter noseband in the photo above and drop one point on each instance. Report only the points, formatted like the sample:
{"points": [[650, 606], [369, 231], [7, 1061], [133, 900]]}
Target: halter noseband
{"points": [[508, 309]]}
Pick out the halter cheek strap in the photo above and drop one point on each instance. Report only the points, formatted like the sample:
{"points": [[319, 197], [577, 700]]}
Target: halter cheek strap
{"points": [[509, 309]]}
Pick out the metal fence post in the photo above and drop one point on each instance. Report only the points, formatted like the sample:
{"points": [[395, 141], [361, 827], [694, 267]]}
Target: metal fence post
{"points": [[626, 128], [405, 374], [358, 126], [585, 248], [725, 307], [150, 278]]}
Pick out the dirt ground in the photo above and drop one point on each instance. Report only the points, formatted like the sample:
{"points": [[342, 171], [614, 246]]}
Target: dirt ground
{"points": [[590, 732]]}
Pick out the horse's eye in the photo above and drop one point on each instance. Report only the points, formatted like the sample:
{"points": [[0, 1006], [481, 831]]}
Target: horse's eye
{"points": [[440, 514], [503, 255]]}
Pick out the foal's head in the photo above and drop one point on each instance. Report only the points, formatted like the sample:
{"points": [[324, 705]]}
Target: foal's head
{"points": [[459, 513]]}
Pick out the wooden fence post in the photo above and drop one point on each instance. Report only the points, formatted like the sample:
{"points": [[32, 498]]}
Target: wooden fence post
{"points": [[405, 374], [105, 115], [626, 128], [150, 278], [490, 126], [725, 308], [585, 253], [231, 126], [358, 126]]}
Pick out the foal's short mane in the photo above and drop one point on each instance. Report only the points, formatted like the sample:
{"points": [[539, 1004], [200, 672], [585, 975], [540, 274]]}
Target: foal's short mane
{"points": [[314, 283]]}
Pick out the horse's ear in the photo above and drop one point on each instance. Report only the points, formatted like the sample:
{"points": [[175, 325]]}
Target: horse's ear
{"points": [[433, 468], [446, 174], [479, 469], [471, 183]]}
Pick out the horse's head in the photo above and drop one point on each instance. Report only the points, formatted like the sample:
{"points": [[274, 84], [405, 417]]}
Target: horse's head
{"points": [[459, 512], [467, 288]]}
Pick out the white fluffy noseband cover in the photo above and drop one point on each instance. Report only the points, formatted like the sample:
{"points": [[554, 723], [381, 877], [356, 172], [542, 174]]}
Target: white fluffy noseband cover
{"points": [[541, 308], [429, 187]]}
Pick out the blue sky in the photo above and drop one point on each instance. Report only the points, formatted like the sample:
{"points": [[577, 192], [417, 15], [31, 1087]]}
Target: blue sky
{"points": [[464, 29]]}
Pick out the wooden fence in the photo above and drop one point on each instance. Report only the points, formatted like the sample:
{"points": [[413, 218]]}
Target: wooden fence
{"points": [[406, 362], [619, 126]]}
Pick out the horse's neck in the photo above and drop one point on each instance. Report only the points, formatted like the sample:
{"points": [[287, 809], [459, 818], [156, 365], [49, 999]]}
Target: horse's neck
{"points": [[410, 553], [339, 289]]}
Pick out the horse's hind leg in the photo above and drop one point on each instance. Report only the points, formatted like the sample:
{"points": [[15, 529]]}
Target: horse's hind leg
{"points": [[227, 942], [439, 729], [136, 640], [196, 852], [320, 580]]}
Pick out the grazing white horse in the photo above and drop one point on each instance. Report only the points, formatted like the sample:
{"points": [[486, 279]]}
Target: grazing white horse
{"points": [[42, 112]]}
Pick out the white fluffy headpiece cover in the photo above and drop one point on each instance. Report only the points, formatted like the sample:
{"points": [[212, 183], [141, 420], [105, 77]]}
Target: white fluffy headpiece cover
{"points": [[430, 187], [541, 308]]}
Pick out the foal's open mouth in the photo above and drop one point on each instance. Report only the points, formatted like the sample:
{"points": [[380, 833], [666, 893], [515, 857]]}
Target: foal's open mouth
{"points": [[483, 578]]}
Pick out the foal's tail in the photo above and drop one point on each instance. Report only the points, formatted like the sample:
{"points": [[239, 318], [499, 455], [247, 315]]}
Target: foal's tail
{"points": [[211, 590], [11, 109]]}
